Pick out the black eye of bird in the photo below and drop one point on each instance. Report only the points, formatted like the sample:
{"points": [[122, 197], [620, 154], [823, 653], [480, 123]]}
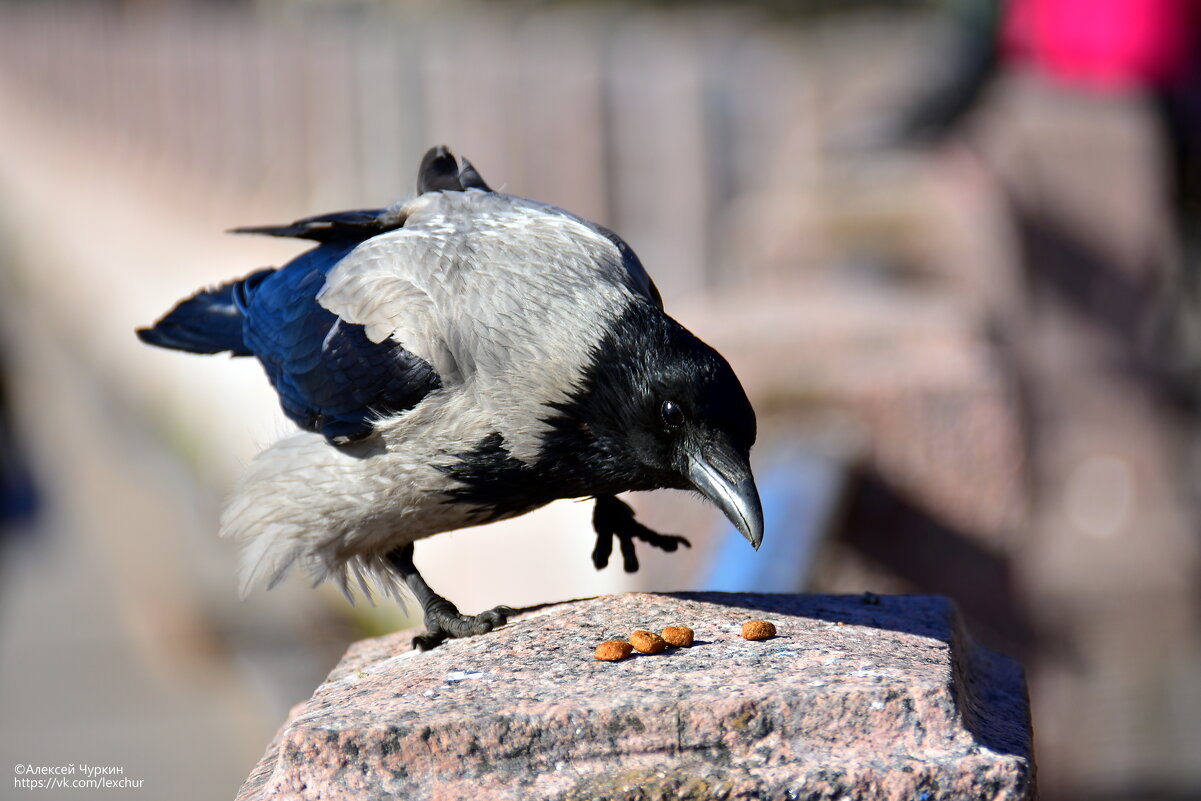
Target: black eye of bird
{"points": [[672, 414]]}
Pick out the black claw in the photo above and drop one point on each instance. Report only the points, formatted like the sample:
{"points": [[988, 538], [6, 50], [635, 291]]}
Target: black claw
{"points": [[424, 642], [613, 518]]}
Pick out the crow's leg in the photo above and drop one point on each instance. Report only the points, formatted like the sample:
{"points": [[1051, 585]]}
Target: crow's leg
{"points": [[442, 618], [613, 518]]}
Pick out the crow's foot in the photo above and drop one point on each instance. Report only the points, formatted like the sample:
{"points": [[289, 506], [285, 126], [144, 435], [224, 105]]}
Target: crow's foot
{"points": [[442, 618], [445, 622], [613, 518]]}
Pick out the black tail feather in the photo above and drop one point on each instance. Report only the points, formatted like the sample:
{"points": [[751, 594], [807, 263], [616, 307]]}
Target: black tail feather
{"points": [[208, 322], [470, 178], [439, 171]]}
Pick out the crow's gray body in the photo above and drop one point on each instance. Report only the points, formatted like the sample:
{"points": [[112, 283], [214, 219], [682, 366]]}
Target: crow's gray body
{"points": [[506, 299]]}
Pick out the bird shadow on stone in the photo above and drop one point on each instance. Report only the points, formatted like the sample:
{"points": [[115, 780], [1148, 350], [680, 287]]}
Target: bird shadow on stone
{"points": [[921, 616], [989, 689]]}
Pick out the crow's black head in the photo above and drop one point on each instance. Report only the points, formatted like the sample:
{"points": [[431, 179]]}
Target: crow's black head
{"points": [[658, 408]]}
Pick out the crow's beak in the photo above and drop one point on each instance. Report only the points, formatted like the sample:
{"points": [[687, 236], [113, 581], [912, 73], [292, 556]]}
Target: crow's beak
{"points": [[724, 477]]}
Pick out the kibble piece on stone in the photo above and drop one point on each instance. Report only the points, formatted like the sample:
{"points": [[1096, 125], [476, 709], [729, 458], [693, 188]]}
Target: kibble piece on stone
{"points": [[613, 650], [758, 630], [679, 636], [648, 642]]}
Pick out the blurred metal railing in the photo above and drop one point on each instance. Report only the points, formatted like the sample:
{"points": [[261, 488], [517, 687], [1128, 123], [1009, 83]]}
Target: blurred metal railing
{"points": [[690, 134]]}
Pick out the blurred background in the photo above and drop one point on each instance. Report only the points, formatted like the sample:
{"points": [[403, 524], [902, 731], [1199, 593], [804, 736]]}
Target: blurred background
{"points": [[951, 249]]}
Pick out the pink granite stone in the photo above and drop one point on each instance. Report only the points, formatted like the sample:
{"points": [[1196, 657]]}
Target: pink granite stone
{"points": [[851, 700]]}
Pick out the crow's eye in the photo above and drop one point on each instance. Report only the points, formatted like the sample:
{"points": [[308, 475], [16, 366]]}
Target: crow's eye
{"points": [[672, 414]]}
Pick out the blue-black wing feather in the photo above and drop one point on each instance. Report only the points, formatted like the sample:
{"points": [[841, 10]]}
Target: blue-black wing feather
{"points": [[330, 377], [208, 322]]}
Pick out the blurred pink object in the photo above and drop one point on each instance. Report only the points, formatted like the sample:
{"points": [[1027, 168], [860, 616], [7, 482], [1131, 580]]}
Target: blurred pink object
{"points": [[1108, 45]]}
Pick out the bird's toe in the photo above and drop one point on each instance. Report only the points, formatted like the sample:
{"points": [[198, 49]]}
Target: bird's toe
{"points": [[489, 620], [668, 542], [497, 616], [453, 625]]}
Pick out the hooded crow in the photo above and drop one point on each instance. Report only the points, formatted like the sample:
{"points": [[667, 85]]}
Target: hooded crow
{"points": [[460, 357]]}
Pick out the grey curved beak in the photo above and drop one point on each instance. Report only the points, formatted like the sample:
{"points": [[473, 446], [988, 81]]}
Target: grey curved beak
{"points": [[725, 479]]}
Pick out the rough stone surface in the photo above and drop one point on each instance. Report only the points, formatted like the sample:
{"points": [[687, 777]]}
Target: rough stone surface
{"points": [[853, 699]]}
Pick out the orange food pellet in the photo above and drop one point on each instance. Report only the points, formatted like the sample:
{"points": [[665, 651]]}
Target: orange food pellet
{"points": [[679, 636], [758, 630], [648, 642], [613, 650]]}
